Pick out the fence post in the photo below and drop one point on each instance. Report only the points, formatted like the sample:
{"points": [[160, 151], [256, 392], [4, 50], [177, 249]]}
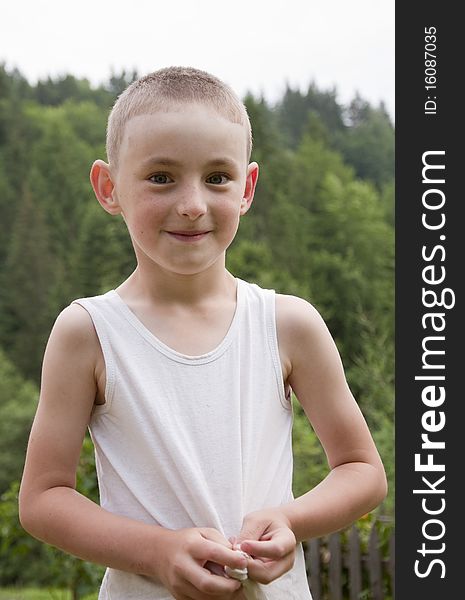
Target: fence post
{"points": [[335, 567], [325, 559], [355, 571], [392, 562], [374, 564], [315, 571]]}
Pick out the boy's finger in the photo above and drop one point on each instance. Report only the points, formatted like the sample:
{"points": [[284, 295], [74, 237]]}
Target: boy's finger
{"points": [[217, 553], [215, 536], [265, 571], [205, 583], [200, 589], [214, 568], [274, 549]]}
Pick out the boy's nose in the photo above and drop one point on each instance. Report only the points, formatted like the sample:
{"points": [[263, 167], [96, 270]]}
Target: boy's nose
{"points": [[192, 204]]}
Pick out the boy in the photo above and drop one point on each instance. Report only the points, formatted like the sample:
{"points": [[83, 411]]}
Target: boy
{"points": [[183, 375]]}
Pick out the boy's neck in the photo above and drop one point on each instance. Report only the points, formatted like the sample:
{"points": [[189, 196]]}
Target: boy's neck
{"points": [[167, 287]]}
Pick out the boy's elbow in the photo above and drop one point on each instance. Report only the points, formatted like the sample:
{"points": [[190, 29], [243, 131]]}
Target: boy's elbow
{"points": [[26, 523], [382, 489], [28, 512], [25, 513], [380, 485]]}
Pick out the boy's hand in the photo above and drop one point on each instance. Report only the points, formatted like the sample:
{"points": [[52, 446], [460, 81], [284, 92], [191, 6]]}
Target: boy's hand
{"points": [[267, 536], [192, 565]]}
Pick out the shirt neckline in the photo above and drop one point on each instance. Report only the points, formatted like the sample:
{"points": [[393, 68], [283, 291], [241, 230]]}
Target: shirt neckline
{"points": [[150, 337]]}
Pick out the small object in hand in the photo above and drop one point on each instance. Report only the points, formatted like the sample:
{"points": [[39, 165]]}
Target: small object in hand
{"points": [[239, 574], [252, 590]]}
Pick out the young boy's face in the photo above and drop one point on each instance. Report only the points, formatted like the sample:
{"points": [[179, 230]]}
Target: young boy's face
{"points": [[182, 183]]}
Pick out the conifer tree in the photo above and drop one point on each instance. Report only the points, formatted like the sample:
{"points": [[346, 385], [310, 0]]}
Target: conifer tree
{"points": [[24, 294]]}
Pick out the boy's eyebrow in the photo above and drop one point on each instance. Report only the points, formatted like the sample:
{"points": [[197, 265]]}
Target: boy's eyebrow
{"points": [[172, 162], [222, 161], [160, 160]]}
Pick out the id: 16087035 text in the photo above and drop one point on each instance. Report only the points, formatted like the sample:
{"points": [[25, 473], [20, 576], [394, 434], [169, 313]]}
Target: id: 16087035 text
{"points": [[430, 70]]}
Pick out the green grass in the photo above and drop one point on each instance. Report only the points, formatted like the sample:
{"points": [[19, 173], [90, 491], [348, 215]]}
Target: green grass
{"points": [[38, 594], [33, 594]]}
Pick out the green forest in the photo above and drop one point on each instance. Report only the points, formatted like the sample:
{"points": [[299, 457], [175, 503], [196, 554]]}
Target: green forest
{"points": [[321, 227]]}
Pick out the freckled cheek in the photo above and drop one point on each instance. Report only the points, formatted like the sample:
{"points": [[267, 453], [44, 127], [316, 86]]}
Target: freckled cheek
{"points": [[227, 212], [145, 222], [231, 221]]}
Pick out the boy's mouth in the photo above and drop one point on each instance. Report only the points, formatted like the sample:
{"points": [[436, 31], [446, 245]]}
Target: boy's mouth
{"points": [[188, 236]]}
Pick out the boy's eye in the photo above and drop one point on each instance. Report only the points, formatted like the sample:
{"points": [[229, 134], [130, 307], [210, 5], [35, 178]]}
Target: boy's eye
{"points": [[218, 179], [161, 178]]}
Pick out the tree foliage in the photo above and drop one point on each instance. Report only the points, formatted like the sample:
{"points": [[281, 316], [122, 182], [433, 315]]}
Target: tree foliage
{"points": [[46, 566], [18, 401]]}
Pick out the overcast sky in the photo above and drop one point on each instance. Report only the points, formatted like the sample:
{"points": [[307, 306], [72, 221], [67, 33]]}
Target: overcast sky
{"points": [[254, 46]]}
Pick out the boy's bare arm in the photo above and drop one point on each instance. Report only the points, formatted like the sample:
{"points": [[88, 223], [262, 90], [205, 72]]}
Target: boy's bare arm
{"points": [[356, 482], [52, 510]]}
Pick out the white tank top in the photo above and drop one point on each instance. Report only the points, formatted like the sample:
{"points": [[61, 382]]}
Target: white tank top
{"points": [[192, 441]]}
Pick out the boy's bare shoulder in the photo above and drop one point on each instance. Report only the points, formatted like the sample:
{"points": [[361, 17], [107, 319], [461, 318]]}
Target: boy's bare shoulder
{"points": [[303, 336], [73, 364], [74, 330], [296, 317]]}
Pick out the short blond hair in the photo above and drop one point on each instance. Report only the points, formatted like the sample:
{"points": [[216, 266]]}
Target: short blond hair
{"points": [[161, 89]]}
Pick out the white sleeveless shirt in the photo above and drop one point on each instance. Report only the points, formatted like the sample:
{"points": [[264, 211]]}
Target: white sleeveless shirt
{"points": [[192, 441]]}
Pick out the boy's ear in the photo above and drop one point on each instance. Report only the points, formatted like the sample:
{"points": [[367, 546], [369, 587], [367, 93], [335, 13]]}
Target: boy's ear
{"points": [[250, 185], [103, 186]]}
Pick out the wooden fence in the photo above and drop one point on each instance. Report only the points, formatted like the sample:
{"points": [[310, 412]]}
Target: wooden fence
{"points": [[339, 569]]}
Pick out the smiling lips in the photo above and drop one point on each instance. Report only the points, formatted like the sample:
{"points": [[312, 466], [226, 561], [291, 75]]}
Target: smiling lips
{"points": [[188, 236]]}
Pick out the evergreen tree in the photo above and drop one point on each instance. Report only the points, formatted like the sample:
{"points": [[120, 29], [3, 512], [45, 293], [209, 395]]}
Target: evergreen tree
{"points": [[368, 145], [61, 179], [24, 295], [351, 259], [294, 109], [103, 256], [118, 82]]}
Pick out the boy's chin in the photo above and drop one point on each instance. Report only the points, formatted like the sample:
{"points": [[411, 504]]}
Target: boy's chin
{"points": [[191, 270]]}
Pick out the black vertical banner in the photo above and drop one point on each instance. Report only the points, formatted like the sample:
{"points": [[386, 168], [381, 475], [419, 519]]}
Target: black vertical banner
{"points": [[430, 251]]}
